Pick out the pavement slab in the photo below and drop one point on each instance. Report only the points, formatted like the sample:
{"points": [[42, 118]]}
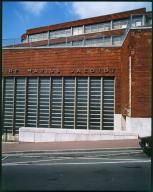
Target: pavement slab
{"points": [[8, 147]]}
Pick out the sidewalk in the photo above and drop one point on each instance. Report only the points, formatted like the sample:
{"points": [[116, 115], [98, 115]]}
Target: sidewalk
{"points": [[9, 147]]}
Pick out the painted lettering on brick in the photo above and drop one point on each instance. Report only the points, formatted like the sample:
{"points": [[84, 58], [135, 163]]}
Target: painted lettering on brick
{"points": [[43, 71], [93, 70]]}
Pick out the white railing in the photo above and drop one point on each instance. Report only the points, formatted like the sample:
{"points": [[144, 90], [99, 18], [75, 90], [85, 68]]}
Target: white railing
{"points": [[80, 41]]}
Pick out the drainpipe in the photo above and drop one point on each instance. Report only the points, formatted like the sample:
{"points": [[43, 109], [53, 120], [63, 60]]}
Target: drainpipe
{"points": [[130, 80]]}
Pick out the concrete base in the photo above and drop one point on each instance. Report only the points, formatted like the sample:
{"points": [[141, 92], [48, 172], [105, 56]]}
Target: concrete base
{"points": [[27, 134], [10, 137], [141, 126], [117, 122]]}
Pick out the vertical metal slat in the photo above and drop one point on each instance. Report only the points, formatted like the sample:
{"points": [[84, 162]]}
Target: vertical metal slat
{"points": [[4, 130], [14, 106], [25, 109], [50, 92], [37, 115], [75, 102], [101, 105], [88, 104], [62, 104]]}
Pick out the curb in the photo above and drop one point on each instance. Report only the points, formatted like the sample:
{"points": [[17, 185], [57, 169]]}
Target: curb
{"points": [[73, 150]]}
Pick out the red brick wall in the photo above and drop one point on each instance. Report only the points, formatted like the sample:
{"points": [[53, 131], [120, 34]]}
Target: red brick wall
{"points": [[140, 42], [65, 59], [138, 46], [125, 53]]}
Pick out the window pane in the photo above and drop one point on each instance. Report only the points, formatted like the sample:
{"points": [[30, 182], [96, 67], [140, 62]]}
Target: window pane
{"points": [[44, 98], [81, 100], [95, 105], [60, 33], [20, 106], [56, 103], [77, 30], [108, 104], [117, 40], [77, 43], [8, 104], [38, 37], [136, 21], [32, 107], [120, 24]]}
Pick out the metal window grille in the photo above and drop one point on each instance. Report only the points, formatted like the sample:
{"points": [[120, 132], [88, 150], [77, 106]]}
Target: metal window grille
{"points": [[58, 102]]}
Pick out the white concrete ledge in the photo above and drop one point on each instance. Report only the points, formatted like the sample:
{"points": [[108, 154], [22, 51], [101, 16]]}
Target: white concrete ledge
{"points": [[28, 134], [141, 126]]}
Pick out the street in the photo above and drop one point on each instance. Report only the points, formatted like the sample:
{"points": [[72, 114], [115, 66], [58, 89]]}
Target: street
{"points": [[115, 170]]}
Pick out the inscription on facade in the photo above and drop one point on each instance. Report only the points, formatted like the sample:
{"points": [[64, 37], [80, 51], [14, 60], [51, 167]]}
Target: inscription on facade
{"points": [[44, 71], [94, 70], [13, 70], [58, 71]]}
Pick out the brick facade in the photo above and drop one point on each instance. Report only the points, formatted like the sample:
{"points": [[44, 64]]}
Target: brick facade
{"points": [[138, 46], [141, 73], [83, 61]]}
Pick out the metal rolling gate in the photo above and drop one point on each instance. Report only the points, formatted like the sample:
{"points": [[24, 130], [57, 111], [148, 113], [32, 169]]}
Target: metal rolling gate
{"points": [[58, 102]]}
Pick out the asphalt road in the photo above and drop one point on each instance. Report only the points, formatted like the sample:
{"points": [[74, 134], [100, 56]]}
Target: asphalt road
{"points": [[115, 170]]}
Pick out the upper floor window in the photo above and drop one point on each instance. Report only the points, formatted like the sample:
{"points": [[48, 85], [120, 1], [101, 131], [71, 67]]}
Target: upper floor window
{"points": [[104, 26], [38, 37], [90, 42], [65, 44], [148, 19], [107, 40], [117, 40], [25, 40], [136, 21], [60, 33], [97, 27], [78, 30], [98, 42], [77, 43], [91, 28], [120, 24]]}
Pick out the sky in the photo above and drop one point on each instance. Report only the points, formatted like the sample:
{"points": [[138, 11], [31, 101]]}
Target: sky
{"points": [[19, 16]]}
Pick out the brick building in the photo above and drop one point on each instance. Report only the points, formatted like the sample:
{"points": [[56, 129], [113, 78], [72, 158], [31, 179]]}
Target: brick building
{"points": [[88, 76]]}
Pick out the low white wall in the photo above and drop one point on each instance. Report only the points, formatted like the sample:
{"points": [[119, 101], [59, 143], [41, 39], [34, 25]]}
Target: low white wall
{"points": [[27, 134], [10, 137], [117, 122], [141, 126]]}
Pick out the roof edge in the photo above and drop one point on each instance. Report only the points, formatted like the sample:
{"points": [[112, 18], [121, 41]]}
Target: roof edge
{"points": [[70, 23]]}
